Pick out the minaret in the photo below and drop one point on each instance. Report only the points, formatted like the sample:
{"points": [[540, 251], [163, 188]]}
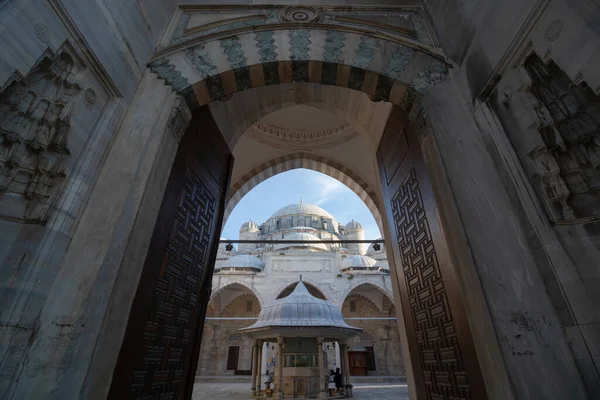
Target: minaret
{"points": [[354, 231], [248, 231]]}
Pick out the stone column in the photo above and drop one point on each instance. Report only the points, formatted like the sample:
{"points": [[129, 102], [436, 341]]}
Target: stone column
{"points": [[338, 358], [259, 367], [321, 361], [280, 346], [346, 370], [254, 367]]}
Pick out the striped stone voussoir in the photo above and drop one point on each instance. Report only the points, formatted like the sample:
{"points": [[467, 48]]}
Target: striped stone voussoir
{"points": [[334, 169], [222, 86]]}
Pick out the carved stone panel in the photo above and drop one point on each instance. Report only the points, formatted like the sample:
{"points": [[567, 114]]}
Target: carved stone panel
{"points": [[561, 147], [34, 129]]}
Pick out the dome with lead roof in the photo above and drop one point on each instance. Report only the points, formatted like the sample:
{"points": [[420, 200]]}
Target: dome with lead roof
{"points": [[301, 209], [353, 226], [243, 261], [249, 226], [358, 262], [301, 310], [305, 237]]}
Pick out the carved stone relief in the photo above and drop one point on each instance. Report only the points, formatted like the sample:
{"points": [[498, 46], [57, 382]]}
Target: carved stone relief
{"points": [[562, 144], [419, 119], [180, 118], [34, 128]]}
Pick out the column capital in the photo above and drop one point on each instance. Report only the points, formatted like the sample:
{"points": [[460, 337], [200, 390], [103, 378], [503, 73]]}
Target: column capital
{"points": [[320, 340], [280, 340]]}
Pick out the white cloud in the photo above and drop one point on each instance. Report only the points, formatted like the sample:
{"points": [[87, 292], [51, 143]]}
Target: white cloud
{"points": [[326, 188]]}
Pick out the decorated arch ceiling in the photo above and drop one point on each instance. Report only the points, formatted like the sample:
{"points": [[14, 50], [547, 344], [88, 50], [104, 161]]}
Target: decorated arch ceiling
{"points": [[212, 52]]}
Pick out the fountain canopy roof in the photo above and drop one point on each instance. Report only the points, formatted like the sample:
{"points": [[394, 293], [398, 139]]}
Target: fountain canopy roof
{"points": [[300, 315]]}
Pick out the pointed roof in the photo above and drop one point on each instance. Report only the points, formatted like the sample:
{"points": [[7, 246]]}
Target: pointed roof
{"points": [[301, 311]]}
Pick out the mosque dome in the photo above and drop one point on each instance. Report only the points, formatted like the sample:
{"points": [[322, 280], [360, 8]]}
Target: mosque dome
{"points": [[382, 266], [301, 309], [243, 261], [302, 209], [357, 262], [249, 226], [353, 226], [304, 236], [371, 251]]}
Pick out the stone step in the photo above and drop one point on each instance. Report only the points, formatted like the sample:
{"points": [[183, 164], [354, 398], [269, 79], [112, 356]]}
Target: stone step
{"points": [[248, 379], [377, 379], [224, 379]]}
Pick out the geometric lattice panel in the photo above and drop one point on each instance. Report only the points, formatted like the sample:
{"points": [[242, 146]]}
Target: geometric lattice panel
{"points": [[170, 324], [439, 352]]}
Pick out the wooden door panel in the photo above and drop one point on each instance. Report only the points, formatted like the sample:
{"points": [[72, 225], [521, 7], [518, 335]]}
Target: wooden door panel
{"points": [[232, 358], [160, 349], [442, 354]]}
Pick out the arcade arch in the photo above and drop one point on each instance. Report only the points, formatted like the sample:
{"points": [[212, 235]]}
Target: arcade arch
{"points": [[325, 165], [223, 350], [378, 351]]}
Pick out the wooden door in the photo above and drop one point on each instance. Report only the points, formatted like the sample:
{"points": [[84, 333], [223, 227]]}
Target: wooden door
{"points": [[441, 349], [358, 363], [159, 353], [233, 356]]}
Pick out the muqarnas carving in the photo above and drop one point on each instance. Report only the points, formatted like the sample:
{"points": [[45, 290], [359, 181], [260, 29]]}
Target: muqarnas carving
{"points": [[570, 131], [34, 128]]}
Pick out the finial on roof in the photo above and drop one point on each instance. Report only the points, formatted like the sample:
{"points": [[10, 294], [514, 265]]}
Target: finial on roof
{"points": [[300, 200], [300, 277]]}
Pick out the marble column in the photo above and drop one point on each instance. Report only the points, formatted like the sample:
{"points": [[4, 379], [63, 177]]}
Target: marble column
{"points": [[254, 367], [346, 370], [321, 361], [259, 367], [280, 346]]}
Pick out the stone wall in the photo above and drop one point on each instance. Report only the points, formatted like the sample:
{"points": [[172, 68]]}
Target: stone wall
{"points": [[68, 74], [218, 336]]}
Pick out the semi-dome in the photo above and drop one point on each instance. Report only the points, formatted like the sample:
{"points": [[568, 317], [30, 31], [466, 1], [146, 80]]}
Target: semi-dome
{"points": [[353, 226], [303, 236], [249, 226], [302, 209], [301, 309], [243, 261], [357, 261]]}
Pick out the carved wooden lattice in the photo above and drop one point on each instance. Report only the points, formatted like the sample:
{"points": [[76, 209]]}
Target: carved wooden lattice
{"points": [[443, 367], [171, 326]]}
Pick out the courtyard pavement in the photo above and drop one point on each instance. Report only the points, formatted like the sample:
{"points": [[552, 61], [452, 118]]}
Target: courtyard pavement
{"points": [[241, 391]]}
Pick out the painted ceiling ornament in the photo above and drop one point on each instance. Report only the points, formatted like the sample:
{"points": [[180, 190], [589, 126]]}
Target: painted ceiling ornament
{"points": [[301, 14], [554, 29], [42, 32]]}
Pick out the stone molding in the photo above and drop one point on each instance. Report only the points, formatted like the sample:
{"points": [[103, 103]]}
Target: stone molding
{"points": [[301, 139]]}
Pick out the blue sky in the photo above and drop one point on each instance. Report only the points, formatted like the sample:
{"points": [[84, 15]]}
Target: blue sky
{"points": [[291, 186]]}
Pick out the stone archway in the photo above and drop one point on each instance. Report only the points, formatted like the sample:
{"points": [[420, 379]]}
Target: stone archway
{"points": [[306, 160], [376, 284], [223, 349], [233, 284], [378, 350]]}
